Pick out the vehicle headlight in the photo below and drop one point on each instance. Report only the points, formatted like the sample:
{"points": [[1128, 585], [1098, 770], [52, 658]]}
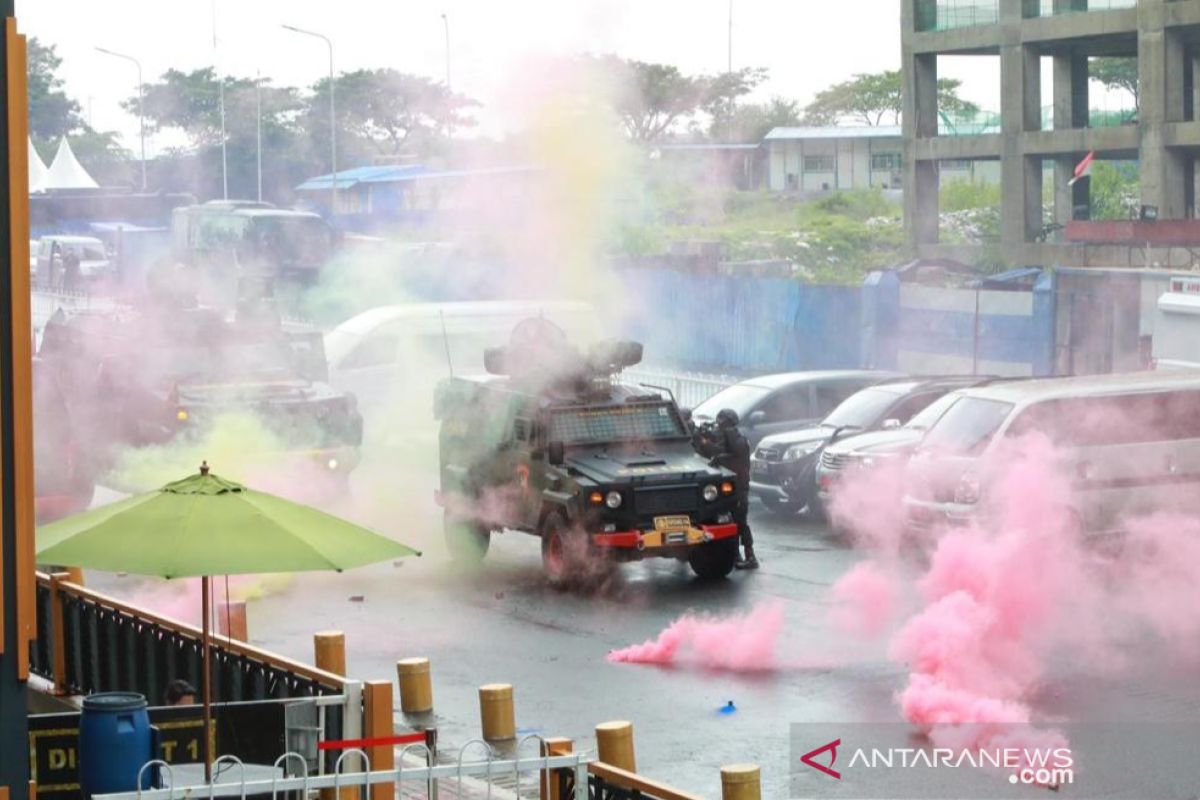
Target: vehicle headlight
{"points": [[797, 452], [613, 500], [181, 415], [867, 461], [332, 464], [711, 492], [967, 491]]}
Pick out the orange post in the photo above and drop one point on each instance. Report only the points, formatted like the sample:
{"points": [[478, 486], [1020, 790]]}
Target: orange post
{"points": [[496, 712], [416, 686], [231, 620], [330, 651], [377, 724], [75, 576], [614, 744], [554, 746]]}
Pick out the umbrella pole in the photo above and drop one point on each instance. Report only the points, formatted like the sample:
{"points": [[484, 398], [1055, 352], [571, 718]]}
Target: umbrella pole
{"points": [[206, 680]]}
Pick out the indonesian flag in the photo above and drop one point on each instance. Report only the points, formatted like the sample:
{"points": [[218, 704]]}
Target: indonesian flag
{"points": [[1084, 168]]}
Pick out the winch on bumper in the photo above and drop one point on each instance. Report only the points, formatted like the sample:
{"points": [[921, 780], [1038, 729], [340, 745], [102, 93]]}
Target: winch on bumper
{"points": [[670, 542]]}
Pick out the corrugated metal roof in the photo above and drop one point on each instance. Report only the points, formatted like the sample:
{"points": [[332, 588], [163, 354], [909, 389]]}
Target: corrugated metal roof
{"points": [[836, 132], [398, 174]]}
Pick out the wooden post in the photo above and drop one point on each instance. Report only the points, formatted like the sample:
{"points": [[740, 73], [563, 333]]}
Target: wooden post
{"points": [[231, 620], [377, 724], [741, 782], [330, 651], [614, 744], [58, 632], [554, 746], [329, 648], [496, 712], [75, 576]]}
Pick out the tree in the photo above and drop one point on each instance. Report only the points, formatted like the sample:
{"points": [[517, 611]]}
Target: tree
{"points": [[721, 95], [876, 98], [650, 99], [1116, 73], [52, 113], [383, 112], [752, 121]]}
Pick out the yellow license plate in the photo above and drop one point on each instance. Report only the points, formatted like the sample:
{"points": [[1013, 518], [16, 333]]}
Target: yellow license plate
{"points": [[673, 523]]}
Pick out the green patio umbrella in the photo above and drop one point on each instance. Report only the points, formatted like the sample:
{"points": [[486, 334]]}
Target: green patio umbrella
{"points": [[203, 526]]}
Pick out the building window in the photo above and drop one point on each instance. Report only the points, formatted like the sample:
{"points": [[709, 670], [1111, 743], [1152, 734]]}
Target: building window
{"points": [[818, 163], [885, 161]]}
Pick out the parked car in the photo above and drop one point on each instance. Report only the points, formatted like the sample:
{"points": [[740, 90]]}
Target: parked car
{"points": [[771, 404], [783, 466], [871, 449], [1131, 443], [56, 253]]}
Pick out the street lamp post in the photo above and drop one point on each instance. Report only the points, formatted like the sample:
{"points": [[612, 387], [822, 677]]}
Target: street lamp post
{"points": [[446, 25], [332, 118], [141, 115]]}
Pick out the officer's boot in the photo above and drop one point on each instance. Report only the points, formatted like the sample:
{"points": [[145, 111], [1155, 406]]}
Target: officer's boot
{"points": [[749, 562]]}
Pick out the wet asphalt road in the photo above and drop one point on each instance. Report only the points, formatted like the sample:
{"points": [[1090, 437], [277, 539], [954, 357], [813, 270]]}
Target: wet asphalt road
{"points": [[502, 623]]}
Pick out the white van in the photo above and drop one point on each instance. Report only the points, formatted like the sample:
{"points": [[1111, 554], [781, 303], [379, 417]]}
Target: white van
{"points": [[1131, 443], [391, 357]]}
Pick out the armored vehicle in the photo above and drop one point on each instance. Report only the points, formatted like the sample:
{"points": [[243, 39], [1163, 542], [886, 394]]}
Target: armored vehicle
{"points": [[551, 443], [139, 377]]}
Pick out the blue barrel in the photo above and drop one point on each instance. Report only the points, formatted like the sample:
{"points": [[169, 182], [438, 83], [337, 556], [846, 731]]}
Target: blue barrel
{"points": [[115, 740]]}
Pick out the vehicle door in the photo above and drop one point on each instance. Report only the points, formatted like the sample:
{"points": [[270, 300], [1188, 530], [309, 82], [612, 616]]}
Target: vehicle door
{"points": [[785, 409], [368, 371]]}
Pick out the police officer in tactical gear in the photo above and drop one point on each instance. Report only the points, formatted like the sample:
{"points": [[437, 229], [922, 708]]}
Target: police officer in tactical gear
{"points": [[733, 453]]}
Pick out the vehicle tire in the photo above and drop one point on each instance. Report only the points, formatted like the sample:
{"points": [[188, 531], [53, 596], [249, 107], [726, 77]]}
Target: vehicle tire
{"points": [[466, 540], [566, 551], [715, 559], [816, 509], [783, 508]]}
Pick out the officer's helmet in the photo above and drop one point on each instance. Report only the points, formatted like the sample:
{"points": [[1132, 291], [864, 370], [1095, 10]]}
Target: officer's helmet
{"points": [[727, 418]]}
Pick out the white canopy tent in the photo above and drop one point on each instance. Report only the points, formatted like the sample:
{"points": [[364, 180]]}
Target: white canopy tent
{"points": [[37, 169], [66, 172]]}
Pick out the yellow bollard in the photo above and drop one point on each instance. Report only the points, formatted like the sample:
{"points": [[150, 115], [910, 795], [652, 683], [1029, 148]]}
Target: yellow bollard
{"points": [[76, 576], [614, 745], [496, 712], [416, 685], [231, 621], [741, 782], [330, 651]]}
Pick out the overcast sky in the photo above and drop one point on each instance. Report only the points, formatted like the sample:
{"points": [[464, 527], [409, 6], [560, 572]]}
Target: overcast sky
{"points": [[806, 44]]}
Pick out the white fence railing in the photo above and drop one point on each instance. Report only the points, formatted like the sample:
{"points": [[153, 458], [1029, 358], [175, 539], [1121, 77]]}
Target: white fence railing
{"points": [[453, 777], [690, 388]]}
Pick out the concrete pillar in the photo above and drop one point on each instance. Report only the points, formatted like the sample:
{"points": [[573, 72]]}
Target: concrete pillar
{"points": [[920, 119], [1020, 111], [497, 719], [1070, 111], [1160, 100], [741, 782], [416, 685], [614, 745]]}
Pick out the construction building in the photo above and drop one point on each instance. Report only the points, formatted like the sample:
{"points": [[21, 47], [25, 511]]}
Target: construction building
{"points": [[1028, 37]]}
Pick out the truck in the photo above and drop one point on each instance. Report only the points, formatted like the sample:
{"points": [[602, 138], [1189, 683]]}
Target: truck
{"points": [[552, 443], [153, 376]]}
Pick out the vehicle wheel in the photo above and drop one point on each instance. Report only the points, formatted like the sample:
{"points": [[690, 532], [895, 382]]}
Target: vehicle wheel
{"points": [[715, 559], [466, 539], [784, 508], [816, 509], [566, 551]]}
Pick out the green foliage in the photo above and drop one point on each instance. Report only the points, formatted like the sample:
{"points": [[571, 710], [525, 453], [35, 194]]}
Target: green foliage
{"points": [[51, 112], [1114, 190], [1116, 73], [961, 195], [876, 99], [752, 121], [859, 204]]}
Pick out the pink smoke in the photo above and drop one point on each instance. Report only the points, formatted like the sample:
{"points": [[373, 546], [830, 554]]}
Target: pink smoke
{"points": [[866, 600], [741, 643]]}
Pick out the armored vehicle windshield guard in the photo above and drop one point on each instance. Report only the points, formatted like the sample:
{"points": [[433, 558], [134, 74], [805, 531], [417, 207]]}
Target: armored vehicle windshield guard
{"points": [[553, 444]]}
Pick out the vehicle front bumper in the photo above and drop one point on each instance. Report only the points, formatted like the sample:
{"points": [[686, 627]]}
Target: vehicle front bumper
{"points": [[781, 480], [665, 543], [928, 515]]}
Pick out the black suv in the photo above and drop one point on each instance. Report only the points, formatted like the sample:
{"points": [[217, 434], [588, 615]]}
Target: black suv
{"points": [[783, 467]]}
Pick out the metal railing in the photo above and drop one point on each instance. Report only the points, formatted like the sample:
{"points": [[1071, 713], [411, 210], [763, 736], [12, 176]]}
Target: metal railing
{"points": [[689, 388], [88, 642]]}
